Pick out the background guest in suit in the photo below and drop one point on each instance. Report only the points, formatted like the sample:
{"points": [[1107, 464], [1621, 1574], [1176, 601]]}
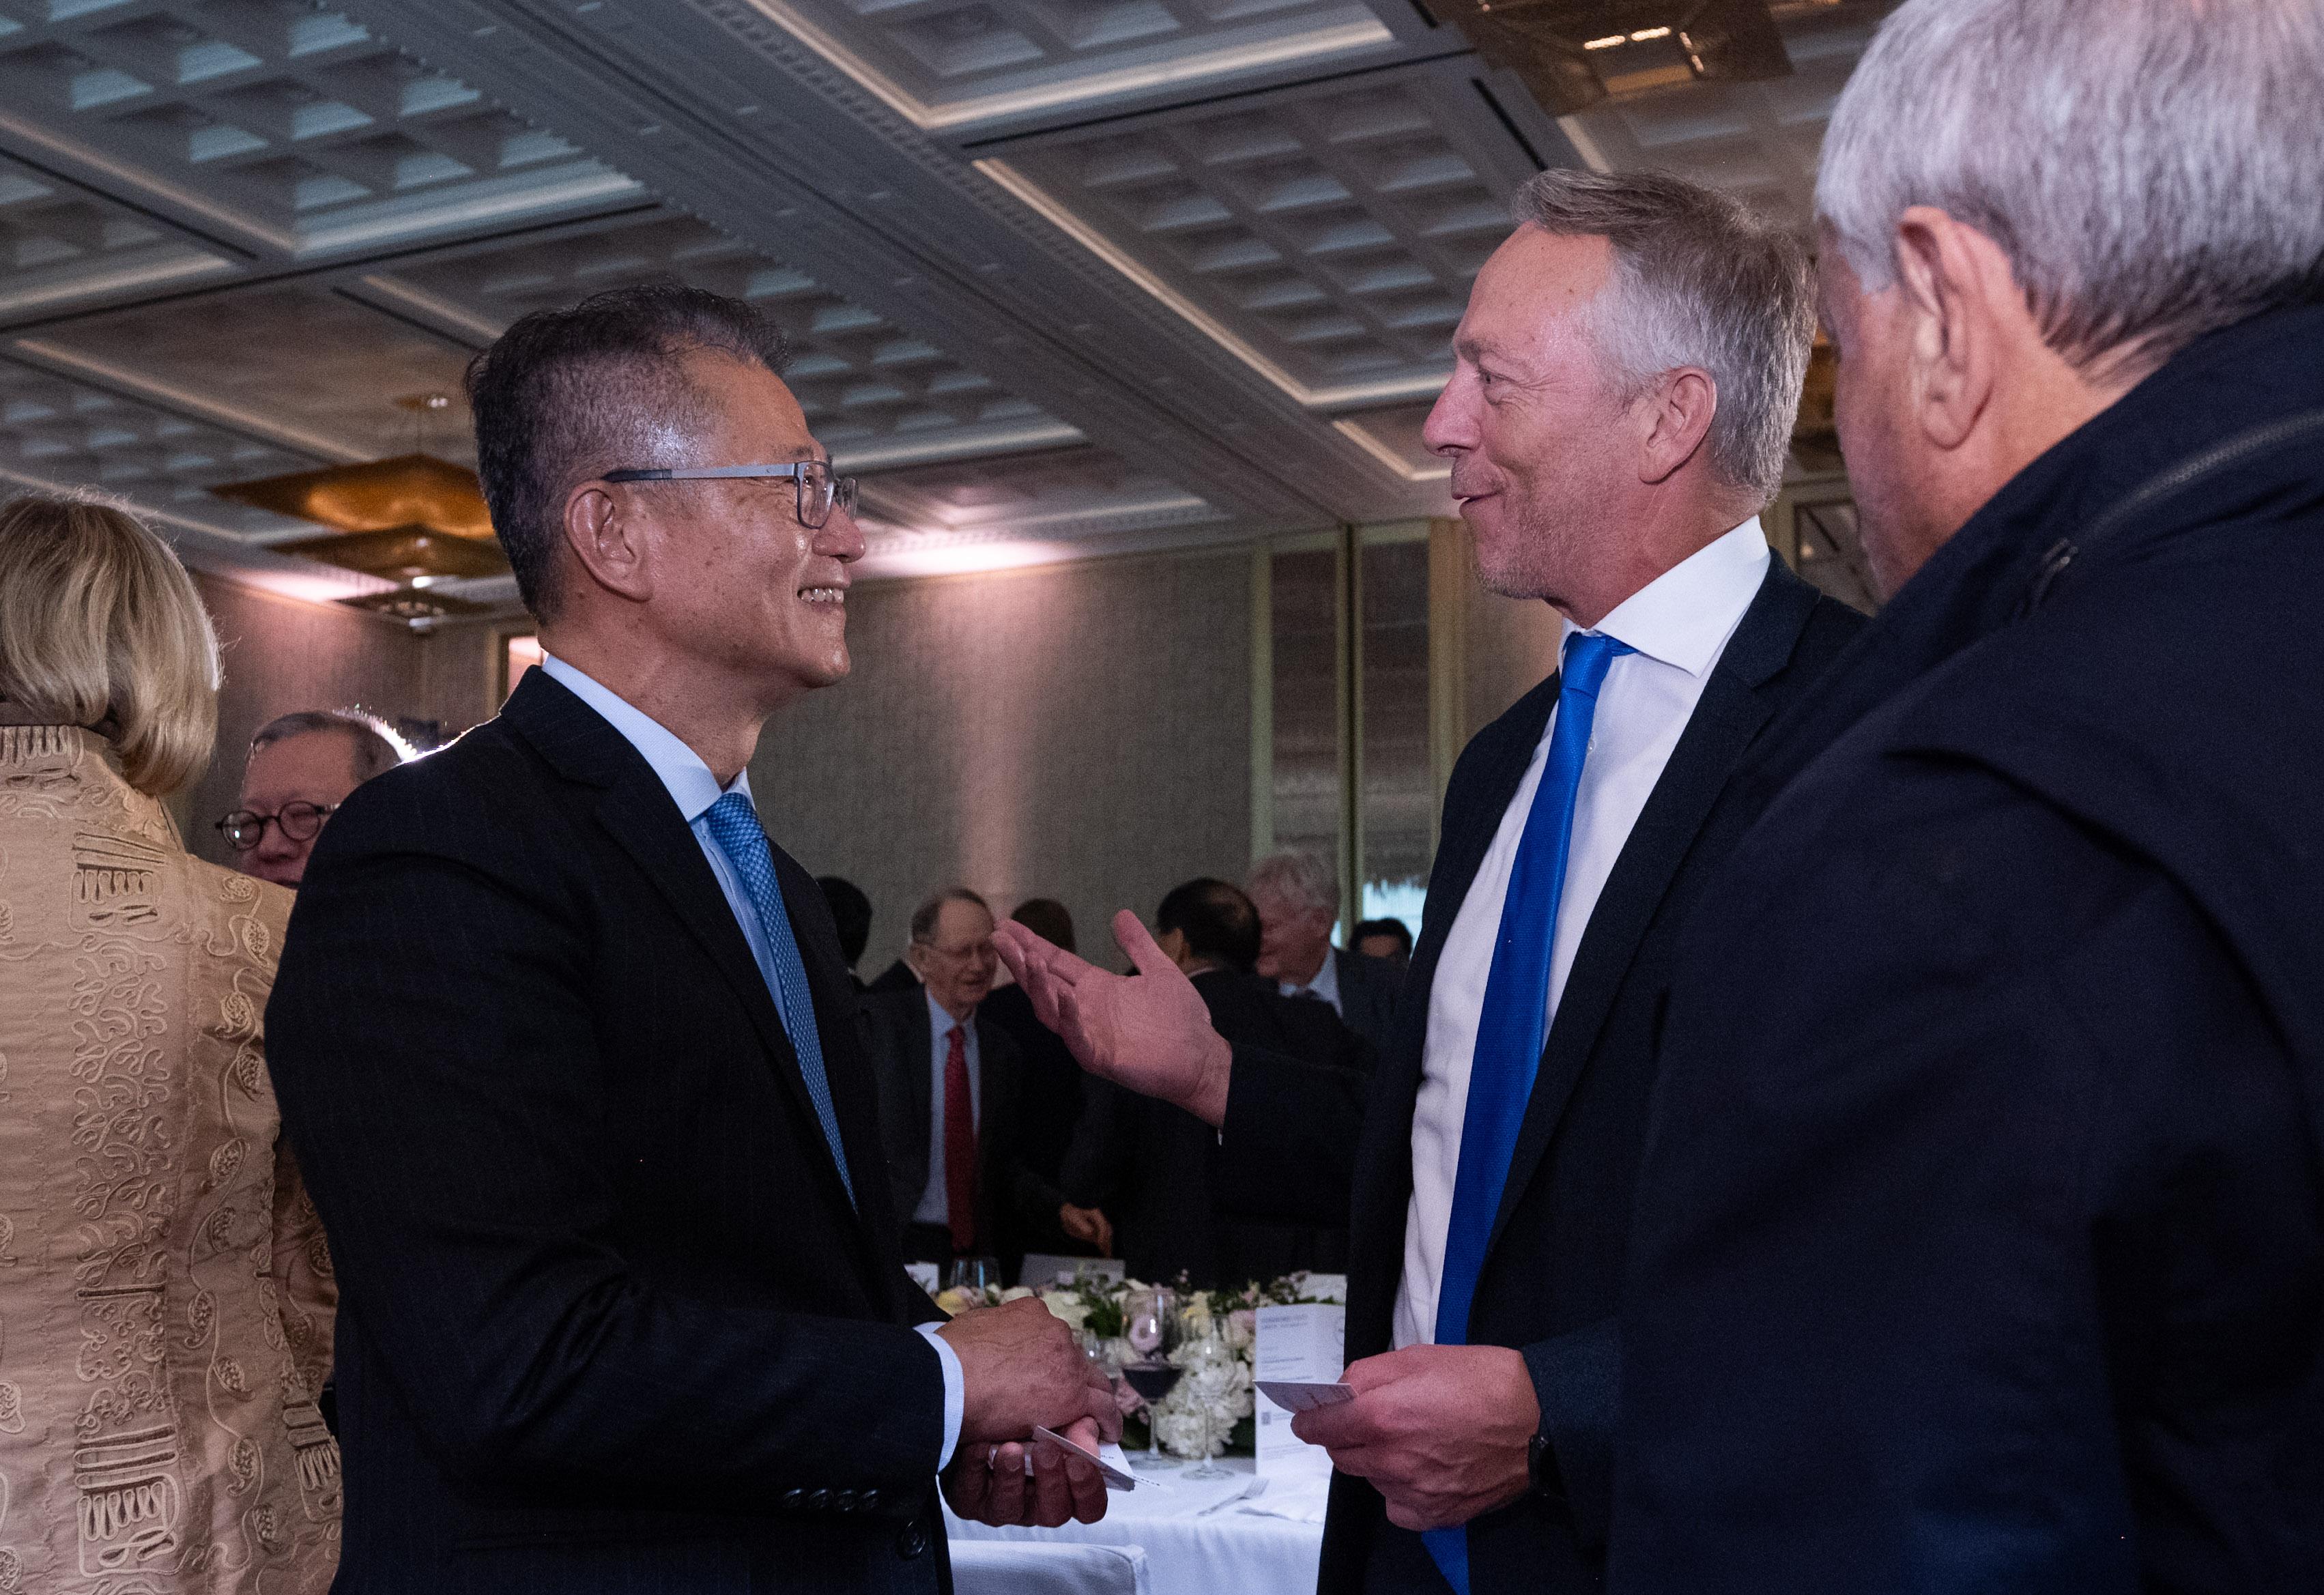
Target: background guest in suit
{"points": [[301, 768], [569, 1050], [1629, 369], [1053, 1081], [951, 1101], [1389, 940], [1156, 1167], [136, 1125], [851, 917], [1298, 902], [1982, 1245]]}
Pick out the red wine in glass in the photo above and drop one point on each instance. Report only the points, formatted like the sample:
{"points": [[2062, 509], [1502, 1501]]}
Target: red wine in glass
{"points": [[1152, 1381]]}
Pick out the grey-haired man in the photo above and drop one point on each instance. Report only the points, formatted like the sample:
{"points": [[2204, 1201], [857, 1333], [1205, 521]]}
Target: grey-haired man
{"points": [[1982, 1246]]}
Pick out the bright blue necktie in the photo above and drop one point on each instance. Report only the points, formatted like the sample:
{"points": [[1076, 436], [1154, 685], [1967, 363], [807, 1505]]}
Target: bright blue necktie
{"points": [[734, 826], [1510, 1027]]}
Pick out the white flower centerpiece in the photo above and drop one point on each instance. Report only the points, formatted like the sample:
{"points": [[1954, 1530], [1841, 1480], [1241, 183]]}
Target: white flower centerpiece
{"points": [[1208, 1412]]}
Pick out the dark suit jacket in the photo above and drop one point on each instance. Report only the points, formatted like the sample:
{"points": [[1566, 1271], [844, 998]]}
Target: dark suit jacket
{"points": [[608, 1320], [1981, 1241], [1013, 1201], [1053, 1081], [1155, 1168], [1368, 990], [1552, 1279]]}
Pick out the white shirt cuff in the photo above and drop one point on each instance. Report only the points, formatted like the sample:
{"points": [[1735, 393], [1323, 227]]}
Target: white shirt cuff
{"points": [[955, 1392]]}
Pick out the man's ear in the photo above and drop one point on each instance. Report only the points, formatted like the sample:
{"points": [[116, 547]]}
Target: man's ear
{"points": [[1678, 412], [611, 544], [1948, 273]]}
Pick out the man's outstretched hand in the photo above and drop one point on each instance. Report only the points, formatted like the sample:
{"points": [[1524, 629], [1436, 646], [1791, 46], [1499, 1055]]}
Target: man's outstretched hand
{"points": [[1151, 1033]]}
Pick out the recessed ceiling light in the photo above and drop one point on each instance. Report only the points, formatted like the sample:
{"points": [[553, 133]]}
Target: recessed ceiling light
{"points": [[1608, 42]]}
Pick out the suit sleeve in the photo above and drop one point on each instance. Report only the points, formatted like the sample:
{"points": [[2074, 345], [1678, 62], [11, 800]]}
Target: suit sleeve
{"points": [[1287, 1147], [433, 1050]]}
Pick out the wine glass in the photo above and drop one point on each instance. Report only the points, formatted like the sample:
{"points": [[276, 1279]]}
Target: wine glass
{"points": [[1210, 1362], [975, 1275], [1150, 1325]]}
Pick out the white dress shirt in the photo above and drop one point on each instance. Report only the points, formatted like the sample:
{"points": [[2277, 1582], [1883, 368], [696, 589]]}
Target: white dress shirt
{"points": [[935, 1204], [1326, 984], [1678, 625], [693, 789]]}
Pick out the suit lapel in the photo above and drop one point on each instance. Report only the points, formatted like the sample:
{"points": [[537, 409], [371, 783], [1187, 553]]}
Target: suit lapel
{"points": [[854, 1096], [1729, 716], [638, 811]]}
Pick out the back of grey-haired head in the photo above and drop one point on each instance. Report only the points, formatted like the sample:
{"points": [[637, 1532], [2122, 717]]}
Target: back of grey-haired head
{"points": [[1300, 879], [1701, 280], [377, 747], [2152, 169]]}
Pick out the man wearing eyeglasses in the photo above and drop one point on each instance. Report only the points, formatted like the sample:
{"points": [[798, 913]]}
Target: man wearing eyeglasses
{"points": [[301, 768], [569, 1054]]}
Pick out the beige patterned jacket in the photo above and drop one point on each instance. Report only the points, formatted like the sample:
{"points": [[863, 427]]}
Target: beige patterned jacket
{"points": [[165, 1296]]}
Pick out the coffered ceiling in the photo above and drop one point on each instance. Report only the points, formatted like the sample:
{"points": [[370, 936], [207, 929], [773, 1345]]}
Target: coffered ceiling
{"points": [[1064, 277]]}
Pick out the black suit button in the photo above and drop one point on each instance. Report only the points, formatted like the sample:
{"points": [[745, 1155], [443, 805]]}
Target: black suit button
{"points": [[913, 1542], [871, 1499], [819, 1501], [843, 1500], [794, 1497]]}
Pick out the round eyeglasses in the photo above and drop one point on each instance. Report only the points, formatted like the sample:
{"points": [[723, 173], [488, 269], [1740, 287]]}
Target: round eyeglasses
{"points": [[243, 830], [818, 489]]}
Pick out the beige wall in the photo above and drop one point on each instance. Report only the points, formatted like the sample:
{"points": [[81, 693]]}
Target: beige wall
{"points": [[1079, 732], [280, 655]]}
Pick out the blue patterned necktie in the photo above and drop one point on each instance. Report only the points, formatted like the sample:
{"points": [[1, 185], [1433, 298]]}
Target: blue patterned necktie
{"points": [[1511, 1026], [734, 826]]}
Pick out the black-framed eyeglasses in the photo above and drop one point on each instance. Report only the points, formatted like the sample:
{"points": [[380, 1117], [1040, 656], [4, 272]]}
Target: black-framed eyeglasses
{"points": [[818, 489], [244, 830]]}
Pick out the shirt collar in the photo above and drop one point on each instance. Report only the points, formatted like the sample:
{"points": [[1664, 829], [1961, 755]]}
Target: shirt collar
{"points": [[1684, 615], [940, 1023], [1326, 983], [688, 779]]}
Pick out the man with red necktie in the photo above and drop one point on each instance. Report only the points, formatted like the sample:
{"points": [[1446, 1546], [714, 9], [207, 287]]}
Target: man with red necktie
{"points": [[952, 1100]]}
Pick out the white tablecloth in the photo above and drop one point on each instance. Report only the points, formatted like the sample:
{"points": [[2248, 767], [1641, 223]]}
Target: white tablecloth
{"points": [[1200, 1538]]}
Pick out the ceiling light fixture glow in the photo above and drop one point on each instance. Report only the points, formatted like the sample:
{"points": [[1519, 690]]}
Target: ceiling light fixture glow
{"points": [[1608, 42], [1643, 34]]}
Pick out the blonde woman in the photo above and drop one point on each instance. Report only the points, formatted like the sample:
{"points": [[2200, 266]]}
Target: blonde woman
{"points": [[165, 1296]]}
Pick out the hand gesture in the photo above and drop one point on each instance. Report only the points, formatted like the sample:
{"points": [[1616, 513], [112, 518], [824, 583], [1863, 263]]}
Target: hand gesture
{"points": [[1151, 1033], [1038, 1486]]}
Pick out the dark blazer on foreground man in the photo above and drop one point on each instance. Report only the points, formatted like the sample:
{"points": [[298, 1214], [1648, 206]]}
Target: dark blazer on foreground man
{"points": [[609, 1319], [1552, 1280], [1982, 1245]]}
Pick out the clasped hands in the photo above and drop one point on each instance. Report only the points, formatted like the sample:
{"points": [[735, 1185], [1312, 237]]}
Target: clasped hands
{"points": [[1020, 1366]]}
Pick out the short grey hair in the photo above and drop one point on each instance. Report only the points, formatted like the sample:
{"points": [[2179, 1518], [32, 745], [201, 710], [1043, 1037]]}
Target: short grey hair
{"points": [[377, 747], [2151, 174], [1701, 280], [1300, 879], [930, 913]]}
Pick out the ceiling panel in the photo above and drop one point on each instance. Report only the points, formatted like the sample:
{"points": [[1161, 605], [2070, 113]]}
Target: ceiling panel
{"points": [[875, 394], [948, 63], [1067, 493], [1393, 433], [66, 433], [1759, 142], [1327, 234], [278, 127], [293, 362], [62, 245]]}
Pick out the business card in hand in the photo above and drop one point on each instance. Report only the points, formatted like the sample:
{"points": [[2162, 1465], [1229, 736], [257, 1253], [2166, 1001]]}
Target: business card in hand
{"points": [[1298, 1396], [1115, 1478]]}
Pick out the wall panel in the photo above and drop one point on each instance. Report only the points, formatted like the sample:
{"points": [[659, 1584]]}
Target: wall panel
{"points": [[1079, 732]]}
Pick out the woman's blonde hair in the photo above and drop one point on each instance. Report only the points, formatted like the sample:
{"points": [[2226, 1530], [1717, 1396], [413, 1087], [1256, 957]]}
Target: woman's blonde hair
{"points": [[99, 622]]}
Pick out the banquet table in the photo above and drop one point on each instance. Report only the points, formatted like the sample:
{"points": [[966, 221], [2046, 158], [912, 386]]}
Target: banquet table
{"points": [[1213, 1537]]}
